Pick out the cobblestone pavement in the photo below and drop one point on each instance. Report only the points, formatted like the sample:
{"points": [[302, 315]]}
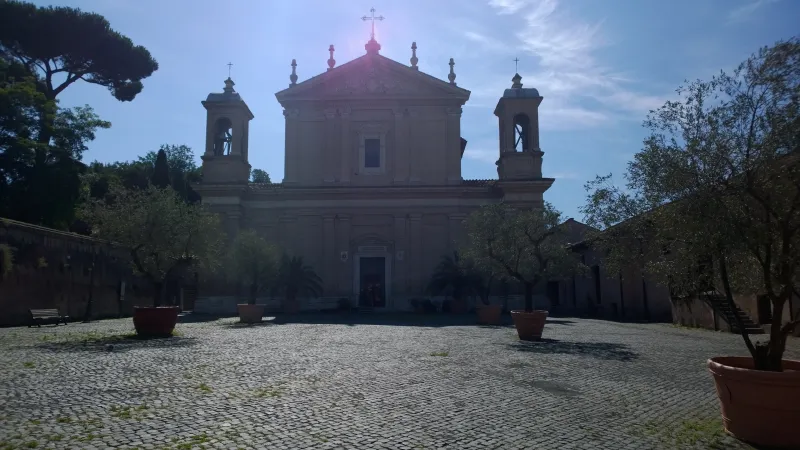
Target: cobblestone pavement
{"points": [[362, 381]]}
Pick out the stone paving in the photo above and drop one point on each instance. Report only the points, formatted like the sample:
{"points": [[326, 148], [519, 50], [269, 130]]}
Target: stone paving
{"points": [[362, 381]]}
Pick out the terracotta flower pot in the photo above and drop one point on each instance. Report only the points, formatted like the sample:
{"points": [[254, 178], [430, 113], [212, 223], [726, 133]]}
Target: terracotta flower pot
{"points": [[151, 321], [758, 407], [489, 314], [529, 324], [250, 313]]}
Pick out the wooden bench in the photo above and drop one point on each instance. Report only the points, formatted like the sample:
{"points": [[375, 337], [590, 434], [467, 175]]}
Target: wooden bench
{"points": [[45, 316]]}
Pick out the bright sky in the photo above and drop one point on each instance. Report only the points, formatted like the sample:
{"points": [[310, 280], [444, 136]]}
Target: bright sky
{"points": [[600, 66]]}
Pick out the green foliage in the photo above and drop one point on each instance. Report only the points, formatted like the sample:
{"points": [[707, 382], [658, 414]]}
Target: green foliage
{"points": [[719, 179], [138, 174], [296, 278], [6, 260], [40, 181], [79, 45], [161, 171], [165, 235], [259, 176], [252, 261], [457, 276], [527, 246]]}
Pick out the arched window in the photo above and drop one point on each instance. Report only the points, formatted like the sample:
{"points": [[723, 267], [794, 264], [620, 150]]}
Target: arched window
{"points": [[223, 136], [522, 127]]}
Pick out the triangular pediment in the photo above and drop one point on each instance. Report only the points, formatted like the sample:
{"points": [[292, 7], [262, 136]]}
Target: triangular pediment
{"points": [[372, 77]]}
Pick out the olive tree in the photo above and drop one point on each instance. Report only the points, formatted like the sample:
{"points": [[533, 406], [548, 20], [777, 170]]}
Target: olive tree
{"points": [[712, 200], [526, 246], [254, 262], [163, 233]]}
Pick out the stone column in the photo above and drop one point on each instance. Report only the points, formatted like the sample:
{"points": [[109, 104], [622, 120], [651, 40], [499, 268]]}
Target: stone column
{"points": [[400, 147], [347, 147], [331, 146], [455, 230], [290, 150], [329, 258], [508, 132], [453, 152], [209, 135], [415, 257], [343, 245]]}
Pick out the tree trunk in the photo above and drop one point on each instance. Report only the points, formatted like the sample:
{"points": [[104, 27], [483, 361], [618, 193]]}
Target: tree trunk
{"points": [[253, 293], [158, 293], [528, 297]]}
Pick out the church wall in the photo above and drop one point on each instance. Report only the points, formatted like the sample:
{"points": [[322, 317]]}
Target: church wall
{"points": [[310, 152], [428, 151]]}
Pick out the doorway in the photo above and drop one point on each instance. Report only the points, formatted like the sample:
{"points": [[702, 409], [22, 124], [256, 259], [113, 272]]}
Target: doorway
{"points": [[553, 295], [372, 281]]}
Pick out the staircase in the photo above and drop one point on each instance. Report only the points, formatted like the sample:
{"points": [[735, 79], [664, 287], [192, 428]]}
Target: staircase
{"points": [[721, 306]]}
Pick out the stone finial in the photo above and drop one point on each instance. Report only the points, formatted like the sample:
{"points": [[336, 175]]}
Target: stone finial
{"points": [[293, 76], [372, 47], [414, 56], [228, 86], [517, 81], [331, 61], [452, 75]]}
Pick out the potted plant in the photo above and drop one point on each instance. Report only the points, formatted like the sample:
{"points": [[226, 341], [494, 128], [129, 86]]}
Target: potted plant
{"points": [[456, 276], [719, 177], [526, 246], [164, 235], [296, 278], [254, 262]]}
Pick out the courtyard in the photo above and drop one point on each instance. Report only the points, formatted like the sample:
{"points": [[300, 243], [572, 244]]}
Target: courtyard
{"points": [[362, 381]]}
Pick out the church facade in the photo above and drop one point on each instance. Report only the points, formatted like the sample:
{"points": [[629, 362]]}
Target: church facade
{"points": [[372, 192]]}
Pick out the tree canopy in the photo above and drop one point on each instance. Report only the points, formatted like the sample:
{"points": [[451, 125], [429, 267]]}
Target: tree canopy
{"points": [[40, 182], [259, 176], [526, 246], [713, 198], [64, 45], [254, 262], [165, 235]]}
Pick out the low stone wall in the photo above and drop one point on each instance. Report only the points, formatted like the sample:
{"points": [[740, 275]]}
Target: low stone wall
{"points": [[694, 312], [53, 269]]}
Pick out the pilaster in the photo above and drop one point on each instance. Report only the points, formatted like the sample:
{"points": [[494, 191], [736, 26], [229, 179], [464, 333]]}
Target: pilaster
{"points": [[331, 146], [329, 273], [345, 278], [455, 230], [290, 163], [401, 158], [288, 228], [400, 255], [413, 175], [347, 148], [415, 257], [453, 152]]}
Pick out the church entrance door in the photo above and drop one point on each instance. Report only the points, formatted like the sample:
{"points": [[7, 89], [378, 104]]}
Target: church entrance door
{"points": [[372, 281]]}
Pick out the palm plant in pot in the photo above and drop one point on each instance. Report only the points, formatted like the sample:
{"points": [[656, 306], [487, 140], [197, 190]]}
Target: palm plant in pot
{"points": [[253, 262], [164, 235], [457, 277], [525, 246], [719, 178], [296, 278]]}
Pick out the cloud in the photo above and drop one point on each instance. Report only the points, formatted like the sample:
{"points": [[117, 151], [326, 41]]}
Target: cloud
{"points": [[507, 6], [743, 12], [567, 69]]}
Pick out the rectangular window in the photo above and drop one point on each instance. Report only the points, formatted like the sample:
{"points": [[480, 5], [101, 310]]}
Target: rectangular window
{"points": [[372, 153]]}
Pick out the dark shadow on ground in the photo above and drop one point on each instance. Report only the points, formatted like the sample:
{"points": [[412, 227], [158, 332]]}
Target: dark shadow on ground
{"points": [[189, 317], [559, 322], [600, 350], [388, 319], [238, 325], [116, 343]]}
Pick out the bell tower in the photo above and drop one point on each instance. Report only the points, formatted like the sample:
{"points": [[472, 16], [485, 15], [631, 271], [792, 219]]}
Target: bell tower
{"points": [[518, 114], [227, 127]]}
